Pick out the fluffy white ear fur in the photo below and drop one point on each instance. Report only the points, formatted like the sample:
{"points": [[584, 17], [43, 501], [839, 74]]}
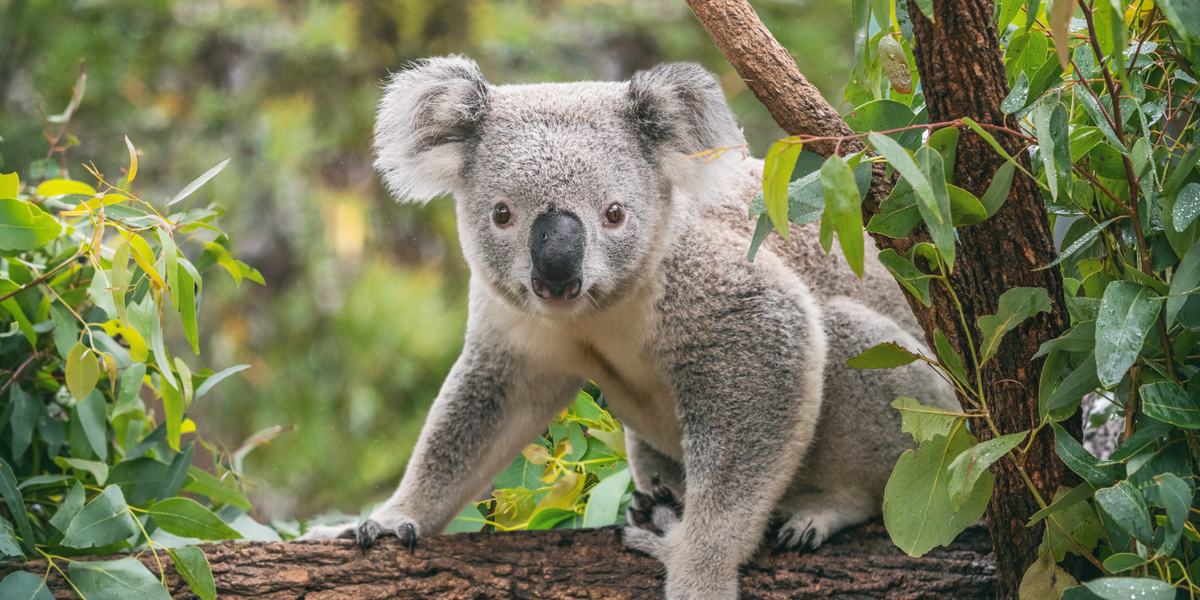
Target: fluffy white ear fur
{"points": [[680, 111], [427, 111]]}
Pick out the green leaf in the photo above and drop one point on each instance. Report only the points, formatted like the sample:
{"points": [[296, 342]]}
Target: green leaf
{"points": [[1015, 100], [926, 7], [120, 280], [141, 478], [974, 462], [1124, 588], [1016, 305], [104, 520], [94, 420], [1187, 206], [22, 585], [604, 499], [82, 370], [1080, 338], [1093, 110], [98, 469], [216, 378], [924, 422], [938, 216], [161, 359], [203, 483], [187, 305], [1050, 122], [178, 471], [1078, 459], [1123, 561], [917, 509], [70, 507], [547, 518], [192, 566], [469, 520], [27, 411], [945, 141], [1125, 504], [1140, 439], [1045, 580], [172, 399], [777, 173], [24, 226], [66, 334], [907, 274], [1127, 311], [930, 203], [950, 357], [9, 544], [124, 579], [1175, 495], [997, 191], [1078, 494], [883, 115], [965, 208], [987, 137], [1167, 401], [1083, 240], [16, 504], [882, 356], [843, 209], [1183, 15], [199, 181], [1079, 520], [185, 517]]}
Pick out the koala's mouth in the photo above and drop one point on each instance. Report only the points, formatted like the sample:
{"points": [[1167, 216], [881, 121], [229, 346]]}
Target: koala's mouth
{"points": [[549, 291]]}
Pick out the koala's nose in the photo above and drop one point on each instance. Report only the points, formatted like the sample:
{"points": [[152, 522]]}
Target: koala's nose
{"points": [[556, 247]]}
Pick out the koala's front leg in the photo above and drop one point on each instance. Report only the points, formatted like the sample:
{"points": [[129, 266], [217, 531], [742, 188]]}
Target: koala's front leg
{"points": [[748, 416], [492, 404]]}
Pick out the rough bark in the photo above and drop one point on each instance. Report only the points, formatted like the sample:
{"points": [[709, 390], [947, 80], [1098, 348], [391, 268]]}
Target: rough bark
{"points": [[580, 563], [962, 75]]}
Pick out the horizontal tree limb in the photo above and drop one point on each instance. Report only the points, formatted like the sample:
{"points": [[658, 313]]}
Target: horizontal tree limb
{"points": [[568, 563]]}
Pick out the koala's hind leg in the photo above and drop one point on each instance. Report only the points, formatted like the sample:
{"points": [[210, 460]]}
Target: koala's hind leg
{"points": [[813, 518], [658, 481]]}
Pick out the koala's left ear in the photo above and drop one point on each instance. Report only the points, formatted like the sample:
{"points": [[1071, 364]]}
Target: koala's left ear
{"points": [[427, 113], [679, 107]]}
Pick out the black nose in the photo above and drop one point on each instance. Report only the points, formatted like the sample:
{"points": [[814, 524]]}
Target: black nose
{"points": [[556, 247]]}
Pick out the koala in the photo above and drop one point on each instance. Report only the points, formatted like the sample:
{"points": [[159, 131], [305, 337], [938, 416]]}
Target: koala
{"points": [[601, 250]]}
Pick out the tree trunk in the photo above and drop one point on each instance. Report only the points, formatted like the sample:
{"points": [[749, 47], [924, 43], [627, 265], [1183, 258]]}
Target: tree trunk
{"points": [[567, 563], [962, 75]]}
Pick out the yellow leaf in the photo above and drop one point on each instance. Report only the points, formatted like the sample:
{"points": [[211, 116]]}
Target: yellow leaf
{"points": [[132, 161], [62, 187], [144, 257], [536, 454], [563, 493], [188, 426], [9, 186], [137, 345]]}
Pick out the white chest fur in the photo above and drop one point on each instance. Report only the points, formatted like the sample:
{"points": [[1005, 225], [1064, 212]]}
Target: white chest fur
{"points": [[611, 349]]}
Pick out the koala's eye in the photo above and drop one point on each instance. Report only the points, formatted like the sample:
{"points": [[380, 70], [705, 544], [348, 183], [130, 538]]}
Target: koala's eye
{"points": [[615, 213], [500, 214]]}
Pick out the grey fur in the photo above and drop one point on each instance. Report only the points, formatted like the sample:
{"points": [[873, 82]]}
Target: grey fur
{"points": [[729, 376]]}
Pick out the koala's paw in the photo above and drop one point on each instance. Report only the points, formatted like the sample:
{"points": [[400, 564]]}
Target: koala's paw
{"points": [[642, 507], [651, 519], [405, 529], [804, 532]]}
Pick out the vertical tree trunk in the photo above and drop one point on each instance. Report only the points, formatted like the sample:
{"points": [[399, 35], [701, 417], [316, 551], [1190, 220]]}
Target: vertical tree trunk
{"points": [[962, 75]]}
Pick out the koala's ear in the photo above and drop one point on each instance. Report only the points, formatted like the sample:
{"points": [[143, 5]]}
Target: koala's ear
{"points": [[427, 113], [679, 107]]}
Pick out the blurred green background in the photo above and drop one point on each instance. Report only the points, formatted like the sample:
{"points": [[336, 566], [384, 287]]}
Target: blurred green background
{"points": [[364, 308]]}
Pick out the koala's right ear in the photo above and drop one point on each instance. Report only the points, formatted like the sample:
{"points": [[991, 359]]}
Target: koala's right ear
{"points": [[426, 114]]}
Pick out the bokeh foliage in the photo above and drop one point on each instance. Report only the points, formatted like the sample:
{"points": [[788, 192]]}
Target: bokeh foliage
{"points": [[364, 304]]}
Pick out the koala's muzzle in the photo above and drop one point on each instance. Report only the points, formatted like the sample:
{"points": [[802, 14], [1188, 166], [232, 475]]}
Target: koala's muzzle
{"points": [[556, 247]]}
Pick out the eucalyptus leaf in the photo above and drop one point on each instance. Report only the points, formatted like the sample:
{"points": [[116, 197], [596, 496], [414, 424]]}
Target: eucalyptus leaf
{"points": [[1127, 312]]}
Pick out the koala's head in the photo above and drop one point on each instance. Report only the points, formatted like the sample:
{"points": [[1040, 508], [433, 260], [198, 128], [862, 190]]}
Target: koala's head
{"points": [[564, 193]]}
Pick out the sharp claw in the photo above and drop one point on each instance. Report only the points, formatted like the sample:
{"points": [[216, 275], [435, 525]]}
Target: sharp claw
{"points": [[367, 534], [408, 537], [806, 538]]}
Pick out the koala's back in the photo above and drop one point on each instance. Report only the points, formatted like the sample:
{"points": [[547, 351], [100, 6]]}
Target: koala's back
{"points": [[828, 276]]}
